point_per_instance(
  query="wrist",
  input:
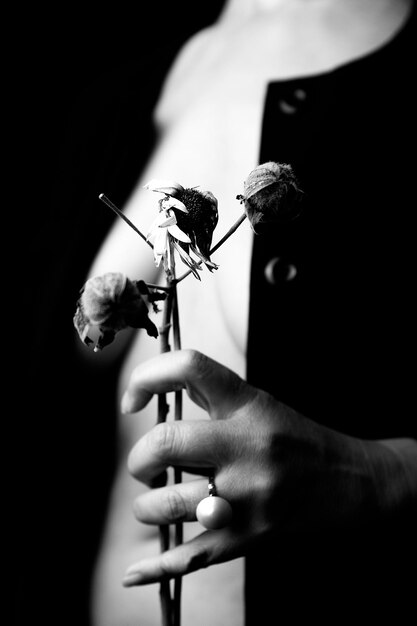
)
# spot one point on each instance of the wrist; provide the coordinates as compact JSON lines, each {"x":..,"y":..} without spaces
{"x":393,"y":464}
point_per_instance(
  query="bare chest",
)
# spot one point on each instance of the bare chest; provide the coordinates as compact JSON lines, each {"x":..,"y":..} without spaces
{"x":210,"y":115}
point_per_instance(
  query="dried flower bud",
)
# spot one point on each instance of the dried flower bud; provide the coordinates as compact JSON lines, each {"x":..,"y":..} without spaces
{"x":110,"y":303}
{"x":271,"y":193}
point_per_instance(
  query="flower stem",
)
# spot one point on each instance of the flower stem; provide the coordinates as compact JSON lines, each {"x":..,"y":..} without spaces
{"x":118,"y":212}
{"x":163,"y":409}
{"x":177,"y":472}
{"x":160,"y":287}
{"x":230,"y":232}
{"x":171,"y":609}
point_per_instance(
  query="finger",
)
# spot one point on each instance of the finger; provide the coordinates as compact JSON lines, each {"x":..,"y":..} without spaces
{"x":207,"y":382}
{"x":179,"y":443}
{"x":206,"y":549}
{"x":168,"y":505}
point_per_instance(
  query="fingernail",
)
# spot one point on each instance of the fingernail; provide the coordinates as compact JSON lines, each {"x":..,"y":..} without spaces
{"x":126,"y":403}
{"x":131,"y":580}
{"x":132,"y":577}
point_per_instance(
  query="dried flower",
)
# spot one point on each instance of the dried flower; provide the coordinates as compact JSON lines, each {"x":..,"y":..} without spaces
{"x":110,"y":303}
{"x":271,"y":193}
{"x":186,"y":221}
{"x":164,"y":233}
{"x":199,"y":222}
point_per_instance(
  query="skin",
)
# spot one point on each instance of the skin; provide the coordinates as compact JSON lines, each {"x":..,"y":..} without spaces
{"x":334,"y":479}
{"x":228,"y":431}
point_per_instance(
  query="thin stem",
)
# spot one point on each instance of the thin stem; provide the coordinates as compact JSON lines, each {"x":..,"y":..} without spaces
{"x":177,"y":472}
{"x":171,"y":609}
{"x":163,"y":408}
{"x":166,"y":603}
{"x":175,"y":318}
{"x":160,"y":287}
{"x":118,"y":212}
{"x":230,"y":232}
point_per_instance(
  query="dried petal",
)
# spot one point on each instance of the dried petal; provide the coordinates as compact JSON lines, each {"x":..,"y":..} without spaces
{"x":169,"y":187}
{"x":189,"y":261}
{"x":100,"y":294}
{"x":178,"y":234}
{"x":160,"y":244}
{"x":108,"y":304}
{"x":261,"y":177}
{"x":171,"y":220}
{"x":271,"y":193}
{"x":163,"y":233}
{"x":173,"y":203}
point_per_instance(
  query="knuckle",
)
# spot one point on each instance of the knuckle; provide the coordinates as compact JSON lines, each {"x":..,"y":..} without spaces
{"x":196,"y":558}
{"x":173,"y":506}
{"x":162,"y":439}
{"x":168,"y":565}
{"x":197,"y":362}
{"x":184,"y":561}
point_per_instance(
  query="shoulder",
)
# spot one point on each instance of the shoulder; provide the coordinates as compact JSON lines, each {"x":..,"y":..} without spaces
{"x":192,"y":63}
{"x":193,"y":52}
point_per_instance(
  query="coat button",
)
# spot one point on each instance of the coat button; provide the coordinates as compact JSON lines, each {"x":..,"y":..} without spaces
{"x":291,"y":104}
{"x":278,"y":271}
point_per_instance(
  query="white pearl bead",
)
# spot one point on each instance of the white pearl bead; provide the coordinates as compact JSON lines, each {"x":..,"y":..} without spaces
{"x":214,"y":512}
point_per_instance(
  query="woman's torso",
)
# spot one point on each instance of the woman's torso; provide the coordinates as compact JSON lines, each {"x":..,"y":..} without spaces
{"x":210,"y":118}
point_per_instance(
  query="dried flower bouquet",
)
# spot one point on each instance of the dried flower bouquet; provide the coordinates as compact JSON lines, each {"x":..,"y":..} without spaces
{"x":183,"y":228}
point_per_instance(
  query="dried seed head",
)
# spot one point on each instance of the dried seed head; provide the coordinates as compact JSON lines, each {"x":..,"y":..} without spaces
{"x":201,"y":211}
{"x":199,"y":222}
{"x":271,"y":193}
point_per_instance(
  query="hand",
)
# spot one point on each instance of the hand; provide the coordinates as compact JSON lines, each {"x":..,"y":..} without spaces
{"x":278,"y":469}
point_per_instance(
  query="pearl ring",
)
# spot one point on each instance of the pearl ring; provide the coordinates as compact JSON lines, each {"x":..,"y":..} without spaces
{"x":213,"y":512}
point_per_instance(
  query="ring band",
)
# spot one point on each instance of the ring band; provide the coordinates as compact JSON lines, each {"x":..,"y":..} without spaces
{"x":211,"y":487}
{"x":213,"y":512}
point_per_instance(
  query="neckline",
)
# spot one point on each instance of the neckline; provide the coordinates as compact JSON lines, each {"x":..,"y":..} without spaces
{"x":402,"y":34}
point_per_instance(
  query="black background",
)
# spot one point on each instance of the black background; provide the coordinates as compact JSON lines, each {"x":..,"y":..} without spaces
{"x":84,"y":81}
